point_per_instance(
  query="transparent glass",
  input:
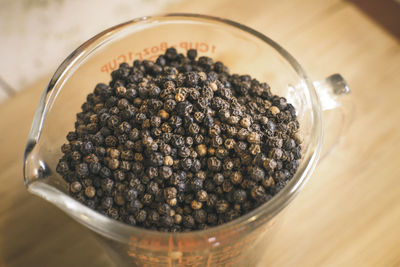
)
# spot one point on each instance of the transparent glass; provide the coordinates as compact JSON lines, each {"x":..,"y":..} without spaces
{"x":246,"y":51}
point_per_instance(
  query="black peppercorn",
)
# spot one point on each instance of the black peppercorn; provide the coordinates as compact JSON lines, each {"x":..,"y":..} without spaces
{"x":212,"y":218}
{"x":192,"y":54}
{"x":90,"y":191}
{"x":218,"y":178}
{"x":170,"y":192}
{"x":256,"y":173}
{"x":196,"y":184}
{"x":76,"y":187}
{"x":180,"y":132}
{"x":239,"y":196}
{"x":62,"y":167}
{"x":214,"y":164}
{"x":188,"y":221}
{"x":82,"y":170}
{"x":221,"y":206}
{"x":183,"y":152}
{"x":200,"y":216}
{"x":141,"y":216}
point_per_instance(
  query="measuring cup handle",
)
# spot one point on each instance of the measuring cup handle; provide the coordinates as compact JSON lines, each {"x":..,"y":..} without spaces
{"x":338,"y":110}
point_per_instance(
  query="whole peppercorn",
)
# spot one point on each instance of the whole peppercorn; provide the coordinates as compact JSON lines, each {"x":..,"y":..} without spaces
{"x":200,"y":216}
{"x":119,"y":175}
{"x":196,"y":184}
{"x":107,"y":203}
{"x":165,"y":172}
{"x":218,"y":178}
{"x":214,"y":164}
{"x":194,"y":128}
{"x":91,"y":158}
{"x":107,"y":184}
{"x":233,"y":120}
{"x":227,"y":186}
{"x":72,"y":136}
{"x":179,"y":97}
{"x":275,"y":153}
{"x":212,"y":218}
{"x":202,"y":195}
{"x":90,"y":191}
{"x":236,"y":177}
{"x":243,"y":134}
{"x":153,"y":216}
{"x":269,"y":164}
{"x":147,"y":199}
{"x":156,"y":159}
{"x":221,"y":206}
{"x":253,"y":138}
{"x":170,"y":192}
{"x":62,"y":167}
{"x":134,"y":134}
{"x":268,"y":182}
{"x":274,"y":110}
{"x":141,"y":216}
{"x":113,"y":153}
{"x":239,"y":196}
{"x":111,"y":141}
{"x":216,"y":141}
{"x":254,"y":149}
{"x":168,"y":161}
{"x":134,"y":206}
{"x":164,"y":209}
{"x":221,"y":153}
{"x":76,"y":187}
{"x":256,"y":173}
{"x":131,"y":194}
{"x":199,"y":116}
{"x":196,"y":204}
{"x":163,"y":114}
{"x":113,"y":164}
{"x":152,"y":172}
{"x":82,"y":170}
{"x":201,"y":150}
{"x":125,"y":165}
{"x":178,"y":218}
{"x":188,"y":221}
{"x":192,"y":54}
{"x":119,"y":200}
{"x":66,"y":148}
{"x":245,"y":122}
{"x":229,"y":143}
{"x":184,"y":152}
{"x":167,"y":221}
{"x":227,"y":165}
{"x":186,"y":164}
{"x":172,"y":202}
{"x":212,"y":200}
{"x":195,"y":165}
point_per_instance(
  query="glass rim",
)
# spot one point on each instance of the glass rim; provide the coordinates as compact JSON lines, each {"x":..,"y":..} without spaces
{"x":122,"y":231}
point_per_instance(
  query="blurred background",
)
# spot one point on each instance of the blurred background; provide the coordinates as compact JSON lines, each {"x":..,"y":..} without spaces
{"x":36,"y":35}
{"x":349,"y":212}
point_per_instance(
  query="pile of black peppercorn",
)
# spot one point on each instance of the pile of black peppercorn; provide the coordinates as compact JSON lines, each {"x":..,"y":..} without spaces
{"x":180,"y":144}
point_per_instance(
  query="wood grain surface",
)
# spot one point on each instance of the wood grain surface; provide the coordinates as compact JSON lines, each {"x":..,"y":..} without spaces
{"x":349,"y":212}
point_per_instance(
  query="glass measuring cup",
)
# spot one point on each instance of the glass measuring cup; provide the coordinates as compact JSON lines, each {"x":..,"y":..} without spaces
{"x":246,"y":51}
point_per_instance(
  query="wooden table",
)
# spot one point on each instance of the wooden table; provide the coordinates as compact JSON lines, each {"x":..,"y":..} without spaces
{"x":349,"y":212}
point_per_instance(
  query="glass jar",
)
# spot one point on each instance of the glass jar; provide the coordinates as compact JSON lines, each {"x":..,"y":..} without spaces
{"x":240,"y":242}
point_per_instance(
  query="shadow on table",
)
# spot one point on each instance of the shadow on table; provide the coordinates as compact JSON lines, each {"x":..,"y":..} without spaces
{"x":384,"y":12}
